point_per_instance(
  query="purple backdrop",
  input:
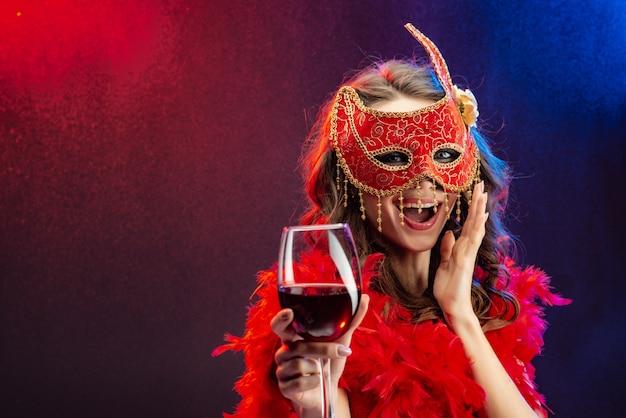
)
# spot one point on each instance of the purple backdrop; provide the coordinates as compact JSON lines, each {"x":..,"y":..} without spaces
{"x":148,"y":163}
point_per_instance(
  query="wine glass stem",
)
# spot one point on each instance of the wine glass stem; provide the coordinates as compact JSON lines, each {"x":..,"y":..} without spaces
{"x":327,"y":393}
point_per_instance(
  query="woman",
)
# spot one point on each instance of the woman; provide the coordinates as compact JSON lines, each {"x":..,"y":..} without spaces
{"x":449,"y":323}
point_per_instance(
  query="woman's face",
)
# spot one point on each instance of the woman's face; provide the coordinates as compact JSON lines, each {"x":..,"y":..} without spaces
{"x":410,"y":228}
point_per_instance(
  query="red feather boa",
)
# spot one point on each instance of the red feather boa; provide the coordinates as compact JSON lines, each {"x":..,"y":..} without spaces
{"x":398,"y":369}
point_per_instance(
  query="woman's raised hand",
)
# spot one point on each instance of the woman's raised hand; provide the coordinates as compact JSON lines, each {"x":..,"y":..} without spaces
{"x":297,"y":360}
{"x":453,"y":280}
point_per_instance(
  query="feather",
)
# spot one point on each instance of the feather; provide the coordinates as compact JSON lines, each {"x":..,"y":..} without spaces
{"x":399,"y":369}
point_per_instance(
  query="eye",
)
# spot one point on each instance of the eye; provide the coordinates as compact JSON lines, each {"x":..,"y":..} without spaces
{"x":446,"y":155}
{"x":393,"y":158}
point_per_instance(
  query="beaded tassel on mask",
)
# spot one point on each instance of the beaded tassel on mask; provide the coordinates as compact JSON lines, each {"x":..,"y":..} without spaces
{"x":345,"y":187}
{"x":379,"y":219}
{"x":401,"y":198}
{"x":362,"y":206}
{"x":419,"y":199}
{"x":475,"y":182}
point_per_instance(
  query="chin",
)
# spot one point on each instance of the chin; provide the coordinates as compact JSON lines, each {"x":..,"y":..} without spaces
{"x":409,"y":240}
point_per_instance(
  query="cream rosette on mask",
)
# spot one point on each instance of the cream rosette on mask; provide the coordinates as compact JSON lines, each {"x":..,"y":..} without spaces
{"x":467,"y":104}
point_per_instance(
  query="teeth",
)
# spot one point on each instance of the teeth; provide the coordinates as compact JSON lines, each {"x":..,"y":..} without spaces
{"x":417,"y":206}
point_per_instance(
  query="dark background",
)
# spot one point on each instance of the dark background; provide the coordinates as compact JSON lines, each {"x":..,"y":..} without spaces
{"x":148,"y":161}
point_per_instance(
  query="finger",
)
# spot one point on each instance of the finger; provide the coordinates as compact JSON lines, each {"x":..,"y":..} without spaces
{"x":309,"y":349}
{"x":297,"y":367}
{"x":294,"y":387}
{"x":447,"y":244}
{"x":479,"y":217}
{"x":479,"y":201}
{"x":474,"y":227}
{"x":281,"y":325}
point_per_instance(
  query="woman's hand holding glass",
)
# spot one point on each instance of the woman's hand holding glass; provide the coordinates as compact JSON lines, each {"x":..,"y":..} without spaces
{"x":297,"y":360}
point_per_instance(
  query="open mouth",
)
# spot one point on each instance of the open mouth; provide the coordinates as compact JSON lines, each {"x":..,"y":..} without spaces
{"x":419,"y":213}
{"x":414,"y":212}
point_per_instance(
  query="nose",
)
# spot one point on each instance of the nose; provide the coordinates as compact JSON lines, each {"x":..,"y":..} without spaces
{"x":424,"y":191}
{"x":426,"y":185}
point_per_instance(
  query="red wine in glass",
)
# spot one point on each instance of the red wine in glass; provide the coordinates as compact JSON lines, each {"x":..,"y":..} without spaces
{"x":322,"y":312}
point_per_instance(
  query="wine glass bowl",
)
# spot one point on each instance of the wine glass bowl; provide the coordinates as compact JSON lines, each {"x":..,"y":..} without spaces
{"x":319,"y":278}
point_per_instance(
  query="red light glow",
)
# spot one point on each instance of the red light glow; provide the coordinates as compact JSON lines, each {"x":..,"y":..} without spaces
{"x":45,"y":40}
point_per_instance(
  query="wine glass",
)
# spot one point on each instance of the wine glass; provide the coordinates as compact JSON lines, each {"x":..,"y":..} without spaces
{"x":319,"y":278}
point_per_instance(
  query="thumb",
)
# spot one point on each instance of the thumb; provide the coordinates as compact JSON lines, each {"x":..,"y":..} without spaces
{"x":281,"y":325}
{"x":447,"y":243}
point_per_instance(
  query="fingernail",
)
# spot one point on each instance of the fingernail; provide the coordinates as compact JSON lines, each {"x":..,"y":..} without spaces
{"x":284,"y":316}
{"x":344,"y":351}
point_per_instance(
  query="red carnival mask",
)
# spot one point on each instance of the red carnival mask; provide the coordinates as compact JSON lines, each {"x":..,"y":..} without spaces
{"x":360,"y":134}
